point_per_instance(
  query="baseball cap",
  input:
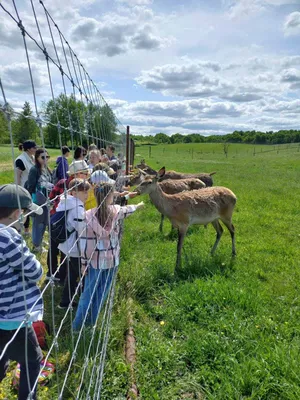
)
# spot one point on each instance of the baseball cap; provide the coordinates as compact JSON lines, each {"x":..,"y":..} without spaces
{"x":9,"y":198}
{"x":28,"y":144}
{"x":77,"y":167}
{"x":99,"y":177}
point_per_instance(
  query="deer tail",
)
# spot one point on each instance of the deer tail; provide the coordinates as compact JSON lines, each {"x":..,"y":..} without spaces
{"x":212,"y":173}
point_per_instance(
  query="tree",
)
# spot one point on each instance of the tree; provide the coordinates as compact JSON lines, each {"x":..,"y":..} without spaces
{"x":162,"y":138}
{"x":4,"y":134}
{"x":71,"y":115}
{"x":25,"y":127}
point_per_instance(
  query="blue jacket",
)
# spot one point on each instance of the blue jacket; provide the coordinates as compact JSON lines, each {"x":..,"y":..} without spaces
{"x":15,"y":295}
{"x":62,"y":168}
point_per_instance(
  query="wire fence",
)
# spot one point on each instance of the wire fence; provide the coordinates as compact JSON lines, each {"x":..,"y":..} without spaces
{"x":78,"y":355}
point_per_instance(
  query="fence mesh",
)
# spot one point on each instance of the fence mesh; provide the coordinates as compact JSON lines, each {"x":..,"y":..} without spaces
{"x":68,"y":109}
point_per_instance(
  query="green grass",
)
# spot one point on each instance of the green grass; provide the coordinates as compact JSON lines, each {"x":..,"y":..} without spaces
{"x":222,"y":329}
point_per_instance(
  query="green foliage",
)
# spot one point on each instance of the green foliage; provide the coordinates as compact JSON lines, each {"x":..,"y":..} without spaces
{"x":280,"y":137}
{"x":25,"y":128}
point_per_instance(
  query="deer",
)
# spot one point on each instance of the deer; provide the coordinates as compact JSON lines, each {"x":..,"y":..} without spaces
{"x":173,"y":186}
{"x":195,"y":207}
{"x":143,"y":168}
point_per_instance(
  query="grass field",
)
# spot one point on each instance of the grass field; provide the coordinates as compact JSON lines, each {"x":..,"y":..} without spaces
{"x":223,"y":328}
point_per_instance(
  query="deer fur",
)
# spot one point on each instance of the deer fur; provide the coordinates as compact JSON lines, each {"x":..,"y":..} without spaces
{"x":173,"y":186}
{"x":195,"y":207}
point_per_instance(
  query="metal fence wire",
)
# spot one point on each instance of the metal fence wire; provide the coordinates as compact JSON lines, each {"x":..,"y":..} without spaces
{"x":84,"y":119}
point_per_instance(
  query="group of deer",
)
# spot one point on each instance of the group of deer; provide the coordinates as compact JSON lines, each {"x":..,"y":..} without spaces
{"x":188,"y":199}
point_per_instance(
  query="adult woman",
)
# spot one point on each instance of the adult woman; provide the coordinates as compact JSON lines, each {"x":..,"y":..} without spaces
{"x":23,"y":164}
{"x":39,"y":185}
{"x":79,"y":153}
{"x":94,"y":158}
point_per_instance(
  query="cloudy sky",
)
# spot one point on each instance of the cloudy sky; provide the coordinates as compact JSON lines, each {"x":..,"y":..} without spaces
{"x":205,"y":66}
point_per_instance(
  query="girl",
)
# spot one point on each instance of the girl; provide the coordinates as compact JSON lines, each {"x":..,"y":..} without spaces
{"x":23,"y":164}
{"x":100,"y":251}
{"x":39,"y":185}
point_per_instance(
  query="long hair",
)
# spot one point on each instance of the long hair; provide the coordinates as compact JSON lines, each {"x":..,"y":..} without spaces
{"x":36,"y":156}
{"x":79,"y":151}
{"x":102,"y":195}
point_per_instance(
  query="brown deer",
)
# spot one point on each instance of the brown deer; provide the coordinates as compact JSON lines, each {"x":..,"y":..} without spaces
{"x":173,"y":186}
{"x":143,"y":168}
{"x":196,"y":207}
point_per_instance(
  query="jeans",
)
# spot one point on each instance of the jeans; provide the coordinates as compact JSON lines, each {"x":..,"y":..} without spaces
{"x":16,"y":352}
{"x":52,"y":264}
{"x":38,"y":230}
{"x":91,"y":303}
{"x":71,"y":281}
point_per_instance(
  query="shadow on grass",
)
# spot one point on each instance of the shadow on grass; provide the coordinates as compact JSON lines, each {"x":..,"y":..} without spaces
{"x":195,"y":267}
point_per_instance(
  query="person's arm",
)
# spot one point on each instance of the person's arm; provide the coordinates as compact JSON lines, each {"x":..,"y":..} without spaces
{"x":126,"y":211}
{"x":32,"y":182}
{"x":20,"y":167}
{"x":20,"y":259}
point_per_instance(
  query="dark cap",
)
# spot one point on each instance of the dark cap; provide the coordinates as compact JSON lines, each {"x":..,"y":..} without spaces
{"x":29,"y":144}
{"x":9,"y":198}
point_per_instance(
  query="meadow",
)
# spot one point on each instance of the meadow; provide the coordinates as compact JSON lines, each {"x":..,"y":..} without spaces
{"x":221,"y":328}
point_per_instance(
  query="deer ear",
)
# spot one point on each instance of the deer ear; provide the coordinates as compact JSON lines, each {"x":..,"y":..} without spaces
{"x":161,"y":172}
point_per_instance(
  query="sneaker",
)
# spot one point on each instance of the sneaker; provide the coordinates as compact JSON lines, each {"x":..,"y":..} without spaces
{"x":55,"y":278}
{"x":39,"y":249}
{"x":62,"y":306}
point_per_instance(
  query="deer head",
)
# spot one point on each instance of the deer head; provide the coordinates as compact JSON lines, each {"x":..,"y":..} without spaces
{"x":150,"y":182}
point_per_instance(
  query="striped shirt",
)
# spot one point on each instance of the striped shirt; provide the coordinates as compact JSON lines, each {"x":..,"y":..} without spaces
{"x":18,"y":297}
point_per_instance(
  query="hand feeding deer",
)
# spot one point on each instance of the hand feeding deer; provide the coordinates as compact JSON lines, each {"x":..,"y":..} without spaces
{"x":196,"y":207}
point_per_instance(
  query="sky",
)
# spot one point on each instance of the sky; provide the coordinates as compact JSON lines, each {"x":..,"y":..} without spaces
{"x":187,"y":66}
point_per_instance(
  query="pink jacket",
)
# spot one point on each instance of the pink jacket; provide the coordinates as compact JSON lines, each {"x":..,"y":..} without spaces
{"x":100,"y":247}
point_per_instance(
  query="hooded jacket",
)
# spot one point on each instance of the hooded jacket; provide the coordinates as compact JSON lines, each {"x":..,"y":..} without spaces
{"x":18,"y":298}
{"x":75,"y":224}
{"x":100,"y":247}
{"x":62,"y":168}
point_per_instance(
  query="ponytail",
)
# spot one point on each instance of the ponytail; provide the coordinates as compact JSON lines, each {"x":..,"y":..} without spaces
{"x":20,"y":147}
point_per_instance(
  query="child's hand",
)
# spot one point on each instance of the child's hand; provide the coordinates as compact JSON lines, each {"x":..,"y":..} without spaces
{"x":141,"y":204}
{"x":132,"y":195}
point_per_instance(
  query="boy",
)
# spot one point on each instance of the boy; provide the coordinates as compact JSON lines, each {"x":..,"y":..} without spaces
{"x":78,"y":169}
{"x":74,"y":204}
{"x":62,"y":164}
{"x":20,"y":298}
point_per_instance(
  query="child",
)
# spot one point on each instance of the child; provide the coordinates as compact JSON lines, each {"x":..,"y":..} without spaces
{"x":19,"y":272}
{"x":100,"y":250}
{"x":62,"y":164}
{"x":73,"y":204}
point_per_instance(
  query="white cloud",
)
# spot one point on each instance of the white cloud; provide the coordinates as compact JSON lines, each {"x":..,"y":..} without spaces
{"x":135,"y":2}
{"x":292,"y":24}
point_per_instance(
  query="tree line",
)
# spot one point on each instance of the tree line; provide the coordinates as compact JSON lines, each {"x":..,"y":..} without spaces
{"x":79,"y":124}
{"x":255,"y":137}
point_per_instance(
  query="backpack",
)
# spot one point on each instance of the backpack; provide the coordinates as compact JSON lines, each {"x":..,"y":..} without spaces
{"x":41,"y":330}
{"x":59,"y":231}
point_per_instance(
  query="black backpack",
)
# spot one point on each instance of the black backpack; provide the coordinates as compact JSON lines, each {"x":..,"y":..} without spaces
{"x":59,"y":232}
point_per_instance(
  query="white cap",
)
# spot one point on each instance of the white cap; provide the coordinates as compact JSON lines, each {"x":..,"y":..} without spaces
{"x":99,"y":177}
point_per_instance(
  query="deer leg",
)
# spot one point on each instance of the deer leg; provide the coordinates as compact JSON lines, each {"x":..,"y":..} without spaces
{"x":161,"y":223}
{"x":216,"y":224}
{"x":230,"y":227}
{"x":181,"y":236}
